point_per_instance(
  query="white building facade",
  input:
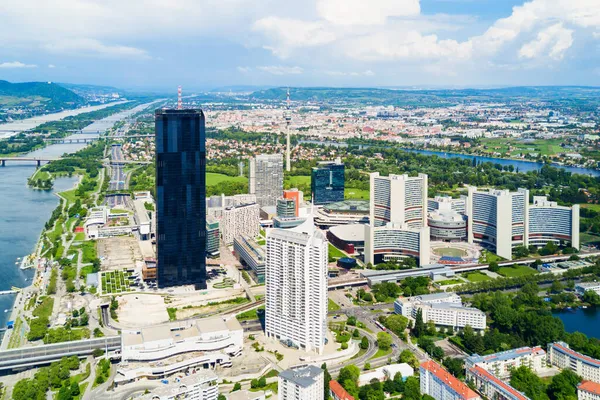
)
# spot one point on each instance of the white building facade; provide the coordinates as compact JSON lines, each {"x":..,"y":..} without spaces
{"x":304,"y":383}
{"x":441,"y":385}
{"x":199,"y":386}
{"x":561,"y":356}
{"x":549,"y":222}
{"x":588,"y":390}
{"x":296,"y":286}
{"x":500,"y":364}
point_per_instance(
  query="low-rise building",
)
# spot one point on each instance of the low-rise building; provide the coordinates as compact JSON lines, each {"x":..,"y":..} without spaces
{"x":442,"y":385}
{"x":303,"y":383}
{"x":583,"y":287}
{"x":492,"y":387}
{"x":404,"y":305}
{"x":342,"y":213}
{"x":561,"y":356}
{"x":199,"y":386}
{"x":588,"y":390}
{"x":500,"y":364}
{"x":386,"y":373}
{"x":337,"y":392}
{"x":251,"y":254}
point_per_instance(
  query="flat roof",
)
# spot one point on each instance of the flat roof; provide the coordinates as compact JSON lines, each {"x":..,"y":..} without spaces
{"x":359,"y":206}
{"x":304,"y":376}
{"x":506,"y":355}
{"x":349,"y":233}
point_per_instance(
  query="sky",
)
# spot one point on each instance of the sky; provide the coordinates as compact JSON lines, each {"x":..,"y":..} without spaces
{"x":205,"y":44}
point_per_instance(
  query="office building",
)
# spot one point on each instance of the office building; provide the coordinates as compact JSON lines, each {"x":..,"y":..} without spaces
{"x":588,"y":390}
{"x":442,"y":385}
{"x":303,"y":383}
{"x":492,"y":387}
{"x":404,"y":305}
{"x":296,"y":286}
{"x":181,"y":197}
{"x":350,"y":238}
{"x":549,"y":222}
{"x":497,"y":219}
{"x":447,"y":203}
{"x":501,"y":364}
{"x":398,"y":219}
{"x":395,"y":241}
{"x":213,"y":237}
{"x":327,"y":182}
{"x":297,"y":196}
{"x":400,"y":199}
{"x":583,"y":287}
{"x":250,"y":254}
{"x":342,"y":213}
{"x":286,"y":208}
{"x":266,"y":178}
{"x":561,"y":356}
{"x":447,"y":226}
{"x":444,"y":309}
{"x":203,"y":385}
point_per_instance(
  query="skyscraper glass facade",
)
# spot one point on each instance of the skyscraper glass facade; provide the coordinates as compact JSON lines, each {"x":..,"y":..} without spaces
{"x":181,"y":197}
{"x":327,"y":182}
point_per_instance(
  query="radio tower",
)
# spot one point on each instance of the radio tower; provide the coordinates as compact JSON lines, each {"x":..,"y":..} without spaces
{"x":179,"y":101}
{"x":288,"y":119}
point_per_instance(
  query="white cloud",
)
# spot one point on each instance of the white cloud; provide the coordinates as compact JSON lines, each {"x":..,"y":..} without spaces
{"x":353,"y":73}
{"x":281,"y":70}
{"x":287,"y":34}
{"x":244,"y":70}
{"x":554,"y":41}
{"x":16,"y":64}
{"x":51,"y":66}
{"x":93,"y":47}
{"x":361,"y":12}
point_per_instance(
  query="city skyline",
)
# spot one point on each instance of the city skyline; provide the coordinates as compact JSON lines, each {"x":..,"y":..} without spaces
{"x":310,"y":43}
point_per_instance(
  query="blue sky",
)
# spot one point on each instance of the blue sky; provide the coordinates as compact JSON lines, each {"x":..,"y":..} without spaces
{"x":202,"y":44}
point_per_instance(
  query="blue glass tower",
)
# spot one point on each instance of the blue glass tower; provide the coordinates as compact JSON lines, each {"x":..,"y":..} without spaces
{"x":181,"y":197}
{"x":327,"y":182}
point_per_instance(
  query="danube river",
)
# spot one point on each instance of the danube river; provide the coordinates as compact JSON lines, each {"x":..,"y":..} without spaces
{"x":522,"y":166}
{"x":582,"y":320}
{"x":24,"y":211}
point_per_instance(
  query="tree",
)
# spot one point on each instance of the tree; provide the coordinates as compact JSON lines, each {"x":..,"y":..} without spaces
{"x":327,"y":379}
{"x":351,"y":320}
{"x":237,"y":386}
{"x":494,"y":266}
{"x":419,"y":328}
{"x":75,"y":389}
{"x":384,"y":340}
{"x":355,"y":334}
{"x":455,"y":366}
{"x":406,"y":356}
{"x":591,"y":297}
{"x":564,"y":385}
{"x":364,"y":343}
{"x":367,"y":366}
{"x":395,"y":323}
{"x":349,"y":373}
{"x":524,"y":380}
{"x":412,"y":389}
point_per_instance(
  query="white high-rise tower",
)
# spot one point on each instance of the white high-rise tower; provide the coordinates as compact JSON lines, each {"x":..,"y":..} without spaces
{"x":288,"y":119}
{"x":296,"y":286}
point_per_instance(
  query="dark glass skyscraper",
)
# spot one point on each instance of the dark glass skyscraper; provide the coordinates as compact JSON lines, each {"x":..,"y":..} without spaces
{"x":181,"y":197}
{"x":327,"y":182}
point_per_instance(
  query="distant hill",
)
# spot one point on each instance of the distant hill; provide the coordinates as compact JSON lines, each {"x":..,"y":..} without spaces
{"x":433,"y":97}
{"x":52,"y":92}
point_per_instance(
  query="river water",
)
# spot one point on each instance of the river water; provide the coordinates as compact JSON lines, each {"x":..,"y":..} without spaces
{"x":523,"y":166}
{"x":582,"y":320}
{"x":24,"y":211}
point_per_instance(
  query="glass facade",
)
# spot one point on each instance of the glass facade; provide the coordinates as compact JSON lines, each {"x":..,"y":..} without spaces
{"x":181,"y":197}
{"x":327,"y":183}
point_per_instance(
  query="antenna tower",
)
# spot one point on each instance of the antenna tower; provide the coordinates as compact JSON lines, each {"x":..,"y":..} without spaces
{"x":179,"y":101}
{"x":288,"y":119}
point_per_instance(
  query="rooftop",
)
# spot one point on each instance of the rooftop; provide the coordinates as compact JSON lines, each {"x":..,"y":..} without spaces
{"x":590,"y":387}
{"x":358,"y":206}
{"x":304,"y":376}
{"x":506,"y":388}
{"x":565,"y":349}
{"x":450,"y":380}
{"x":349,"y":233}
{"x":339,"y":391}
{"x":506,"y":355}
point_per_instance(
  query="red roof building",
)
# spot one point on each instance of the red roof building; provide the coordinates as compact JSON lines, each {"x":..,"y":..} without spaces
{"x":588,"y":390}
{"x":338,"y":392}
{"x":440,"y":384}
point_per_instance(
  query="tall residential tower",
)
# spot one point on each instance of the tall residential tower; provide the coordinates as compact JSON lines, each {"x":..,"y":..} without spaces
{"x":296,"y":286}
{"x":181,"y":197}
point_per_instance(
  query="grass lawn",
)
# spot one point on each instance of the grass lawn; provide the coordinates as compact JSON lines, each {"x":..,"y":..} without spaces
{"x":517,"y":270}
{"x":297,"y":180}
{"x":449,"y":282}
{"x":213,"y":178}
{"x":589,"y":239}
{"x":594,"y":207}
{"x":332,"y":306}
{"x":89,"y":251}
{"x":487,"y":257}
{"x":80,"y":236}
{"x":118,"y":211}
{"x":69,"y":195}
{"x":381,"y":353}
{"x":250,"y":314}
{"x":477,"y":276}
{"x":351,"y":193}
{"x":334,"y":252}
